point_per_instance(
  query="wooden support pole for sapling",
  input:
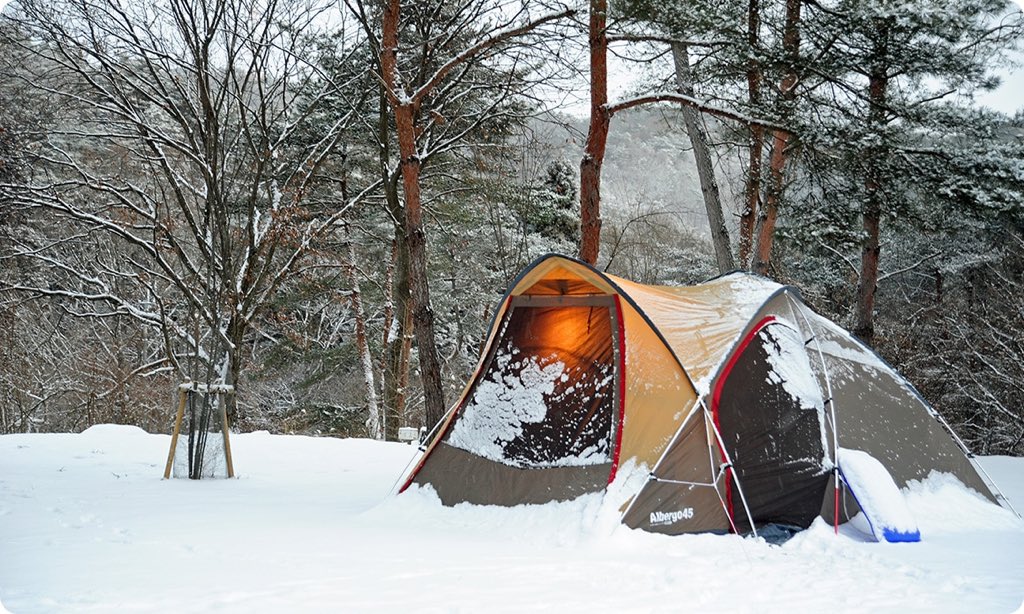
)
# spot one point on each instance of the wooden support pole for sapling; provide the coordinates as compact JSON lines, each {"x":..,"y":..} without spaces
{"x":186,"y":389}
{"x":227,"y":440}
{"x":182,"y":399}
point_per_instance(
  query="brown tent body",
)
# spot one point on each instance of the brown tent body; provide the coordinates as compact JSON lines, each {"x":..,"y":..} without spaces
{"x":723,"y":394}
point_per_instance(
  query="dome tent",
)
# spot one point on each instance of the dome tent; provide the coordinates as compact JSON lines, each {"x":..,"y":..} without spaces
{"x":732,"y":395}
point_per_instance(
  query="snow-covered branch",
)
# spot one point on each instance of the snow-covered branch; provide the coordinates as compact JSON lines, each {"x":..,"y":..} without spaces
{"x":491,"y":41}
{"x":701,"y":105}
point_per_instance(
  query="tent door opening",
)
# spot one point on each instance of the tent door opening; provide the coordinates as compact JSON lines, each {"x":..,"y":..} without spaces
{"x":769,"y":410}
{"x":548,"y":394}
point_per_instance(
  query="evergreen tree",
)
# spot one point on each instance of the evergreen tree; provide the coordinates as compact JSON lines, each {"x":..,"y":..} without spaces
{"x":890,"y":77}
{"x":553,"y":211}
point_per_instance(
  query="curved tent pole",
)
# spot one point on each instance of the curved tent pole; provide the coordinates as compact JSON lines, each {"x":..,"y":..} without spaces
{"x":651,"y":476}
{"x":836,"y":476}
{"x":728,"y":460}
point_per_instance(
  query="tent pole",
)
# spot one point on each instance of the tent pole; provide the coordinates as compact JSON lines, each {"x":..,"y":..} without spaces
{"x":835,"y":503}
{"x":831,"y":406}
{"x":717,"y":475}
{"x":651,"y":474}
{"x":971,"y":459}
{"x":725,"y":507}
{"x":712,"y":462}
{"x":421,"y":448}
{"x":728,"y":460}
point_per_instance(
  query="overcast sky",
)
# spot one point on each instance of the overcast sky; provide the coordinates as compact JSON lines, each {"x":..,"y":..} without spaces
{"x":1008,"y":98}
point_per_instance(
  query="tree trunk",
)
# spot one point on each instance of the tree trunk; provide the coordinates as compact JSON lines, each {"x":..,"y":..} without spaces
{"x":397,"y":340}
{"x":864,"y":325}
{"x":769,"y":213}
{"x":765,"y":230}
{"x":373,"y":426}
{"x":423,"y":315}
{"x":752,"y":195}
{"x":231,"y":374}
{"x":8,"y":334}
{"x":597,"y":136}
{"x":705,"y":167}
{"x":406,"y":107}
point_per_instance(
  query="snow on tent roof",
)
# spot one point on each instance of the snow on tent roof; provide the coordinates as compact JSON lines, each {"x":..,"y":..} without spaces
{"x":701,"y":323}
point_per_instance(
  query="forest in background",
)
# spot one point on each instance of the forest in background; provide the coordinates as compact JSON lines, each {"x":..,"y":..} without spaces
{"x":320,"y":204}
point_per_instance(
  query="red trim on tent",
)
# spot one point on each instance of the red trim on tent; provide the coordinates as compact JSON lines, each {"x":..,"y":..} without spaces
{"x":718,"y":394}
{"x":622,"y":389}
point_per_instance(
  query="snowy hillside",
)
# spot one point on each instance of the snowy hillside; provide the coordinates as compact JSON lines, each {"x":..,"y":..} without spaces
{"x":86,"y":524}
{"x":649,"y":165}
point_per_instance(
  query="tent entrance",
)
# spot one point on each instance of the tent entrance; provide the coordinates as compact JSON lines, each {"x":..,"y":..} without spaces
{"x":770,"y":413}
{"x":548,"y":393}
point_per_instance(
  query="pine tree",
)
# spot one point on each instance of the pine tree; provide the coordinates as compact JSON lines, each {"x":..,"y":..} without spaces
{"x":889,"y":71}
{"x":553,"y":210}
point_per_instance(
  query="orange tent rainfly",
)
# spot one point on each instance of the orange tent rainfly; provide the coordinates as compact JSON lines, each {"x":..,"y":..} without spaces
{"x":731,"y":397}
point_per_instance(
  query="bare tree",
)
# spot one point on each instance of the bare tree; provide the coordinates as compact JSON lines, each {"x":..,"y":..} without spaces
{"x":373,"y":422}
{"x":189,"y":151}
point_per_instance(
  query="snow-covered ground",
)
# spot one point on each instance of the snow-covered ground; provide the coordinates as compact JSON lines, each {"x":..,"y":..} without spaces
{"x":87,"y":525}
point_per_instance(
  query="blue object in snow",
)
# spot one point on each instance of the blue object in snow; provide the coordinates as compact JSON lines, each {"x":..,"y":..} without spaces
{"x":878,"y":496}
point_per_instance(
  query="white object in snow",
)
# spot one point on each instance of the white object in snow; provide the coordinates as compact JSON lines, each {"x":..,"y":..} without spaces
{"x":408,"y":434}
{"x":878,"y":496}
